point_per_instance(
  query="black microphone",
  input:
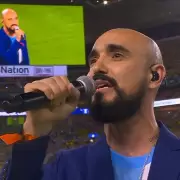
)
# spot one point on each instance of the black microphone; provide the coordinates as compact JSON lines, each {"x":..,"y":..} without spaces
{"x":36,"y":100}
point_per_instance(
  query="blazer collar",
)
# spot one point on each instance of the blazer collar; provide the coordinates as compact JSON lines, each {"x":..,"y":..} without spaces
{"x":99,"y":161}
{"x":165,"y":155}
{"x":166,"y":159}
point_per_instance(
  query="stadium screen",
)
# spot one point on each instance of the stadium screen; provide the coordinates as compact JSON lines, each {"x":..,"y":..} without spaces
{"x":40,"y":40}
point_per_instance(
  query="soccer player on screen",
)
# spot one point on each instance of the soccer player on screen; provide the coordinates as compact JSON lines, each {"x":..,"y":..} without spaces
{"x":13,"y":46}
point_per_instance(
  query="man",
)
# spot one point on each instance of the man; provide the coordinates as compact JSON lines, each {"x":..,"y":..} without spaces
{"x":13,"y":46}
{"x":128,"y":69}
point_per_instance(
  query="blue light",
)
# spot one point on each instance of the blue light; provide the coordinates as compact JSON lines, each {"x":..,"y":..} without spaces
{"x":79,"y":111}
{"x":93,"y":135}
{"x":86,"y":111}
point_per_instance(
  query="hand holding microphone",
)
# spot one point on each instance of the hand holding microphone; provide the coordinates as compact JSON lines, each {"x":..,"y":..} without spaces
{"x":19,"y":33}
{"x":64,"y":98}
{"x":49,"y":100}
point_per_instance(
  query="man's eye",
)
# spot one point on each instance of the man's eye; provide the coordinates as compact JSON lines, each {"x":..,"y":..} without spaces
{"x":92,"y":61}
{"x":116,"y":55}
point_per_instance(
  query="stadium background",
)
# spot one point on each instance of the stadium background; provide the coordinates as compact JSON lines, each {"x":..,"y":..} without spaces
{"x":158,"y":19}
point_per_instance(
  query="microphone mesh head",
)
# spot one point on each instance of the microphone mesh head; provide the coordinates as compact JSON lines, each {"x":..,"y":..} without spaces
{"x":88,"y":83}
{"x":16,"y":28}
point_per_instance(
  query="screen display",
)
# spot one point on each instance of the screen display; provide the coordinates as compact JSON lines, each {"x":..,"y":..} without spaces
{"x":40,"y":40}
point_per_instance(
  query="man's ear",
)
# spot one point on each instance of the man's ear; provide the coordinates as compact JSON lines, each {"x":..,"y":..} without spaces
{"x":161,"y":71}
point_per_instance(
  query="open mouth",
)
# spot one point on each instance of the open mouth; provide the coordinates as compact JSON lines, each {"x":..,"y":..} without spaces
{"x":101,"y":84}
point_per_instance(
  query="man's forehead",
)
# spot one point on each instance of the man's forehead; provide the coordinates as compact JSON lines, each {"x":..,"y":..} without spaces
{"x":131,"y":40}
{"x":8,"y":12}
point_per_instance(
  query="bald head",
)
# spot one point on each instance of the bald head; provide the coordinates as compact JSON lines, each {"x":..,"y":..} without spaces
{"x":136,"y":42}
{"x":9,"y":19}
{"x":7,"y":12}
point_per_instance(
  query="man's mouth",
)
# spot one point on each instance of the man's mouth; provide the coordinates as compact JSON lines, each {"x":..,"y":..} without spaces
{"x":102,"y":84}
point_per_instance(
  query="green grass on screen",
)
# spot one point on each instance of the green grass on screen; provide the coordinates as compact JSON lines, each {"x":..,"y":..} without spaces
{"x":55,"y":34}
{"x":9,"y":121}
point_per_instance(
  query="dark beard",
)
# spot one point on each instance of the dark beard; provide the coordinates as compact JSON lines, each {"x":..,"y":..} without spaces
{"x":120,"y":109}
{"x":11,"y":31}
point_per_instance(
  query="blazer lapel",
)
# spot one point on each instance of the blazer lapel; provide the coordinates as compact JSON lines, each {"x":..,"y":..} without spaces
{"x":165,"y":163}
{"x":99,"y":162}
{"x":166,"y":160}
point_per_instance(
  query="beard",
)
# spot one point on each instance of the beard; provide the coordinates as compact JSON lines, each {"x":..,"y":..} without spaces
{"x":11,"y":30}
{"x":121,"y":108}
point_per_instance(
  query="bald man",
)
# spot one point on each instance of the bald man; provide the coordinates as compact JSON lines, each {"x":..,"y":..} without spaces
{"x":128,"y":69}
{"x":13,"y":46}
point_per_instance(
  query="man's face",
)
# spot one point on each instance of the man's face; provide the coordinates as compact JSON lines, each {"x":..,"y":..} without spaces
{"x":10,"y":21}
{"x":118,"y":66}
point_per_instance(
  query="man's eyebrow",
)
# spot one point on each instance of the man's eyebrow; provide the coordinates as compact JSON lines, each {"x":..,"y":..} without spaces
{"x":117,"y":47}
{"x":109,"y":48}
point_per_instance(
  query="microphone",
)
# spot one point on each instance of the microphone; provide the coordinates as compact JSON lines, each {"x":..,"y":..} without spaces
{"x":37,"y":100}
{"x":16,"y":29}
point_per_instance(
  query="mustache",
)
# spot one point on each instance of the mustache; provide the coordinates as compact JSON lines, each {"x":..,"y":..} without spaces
{"x":13,"y":25}
{"x":101,"y":76}
{"x":112,"y":81}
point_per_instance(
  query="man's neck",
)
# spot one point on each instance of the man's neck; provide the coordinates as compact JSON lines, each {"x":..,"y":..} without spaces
{"x":135,"y":137}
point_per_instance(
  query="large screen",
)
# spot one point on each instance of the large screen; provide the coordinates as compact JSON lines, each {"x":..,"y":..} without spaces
{"x":40,"y":40}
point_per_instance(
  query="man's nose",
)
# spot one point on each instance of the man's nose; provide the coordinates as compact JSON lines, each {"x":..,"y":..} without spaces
{"x":99,"y":67}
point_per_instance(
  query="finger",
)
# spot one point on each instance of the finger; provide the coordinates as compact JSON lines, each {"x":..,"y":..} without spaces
{"x":72,"y":90}
{"x":58,"y":87}
{"x":65,"y":79}
{"x":22,"y":33}
{"x":53,"y":85}
{"x":39,"y":86}
{"x":63,"y":85}
{"x":74,"y":94}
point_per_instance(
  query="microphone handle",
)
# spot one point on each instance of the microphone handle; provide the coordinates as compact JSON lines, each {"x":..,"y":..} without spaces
{"x":16,"y":29}
{"x":32,"y":100}
{"x":22,"y":38}
{"x":25,"y":102}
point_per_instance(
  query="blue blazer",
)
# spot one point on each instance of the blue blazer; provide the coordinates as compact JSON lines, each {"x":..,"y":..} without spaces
{"x":91,"y":162}
{"x":8,"y":51}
